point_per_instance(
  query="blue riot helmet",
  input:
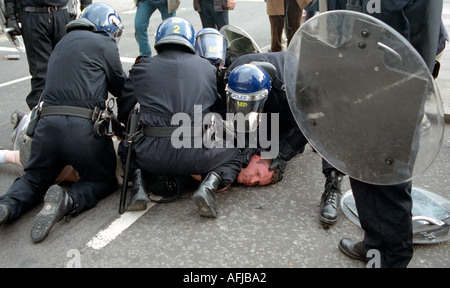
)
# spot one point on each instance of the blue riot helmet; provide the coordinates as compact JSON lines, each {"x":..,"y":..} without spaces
{"x":210,"y":44}
{"x":246,"y":92}
{"x":104,"y":18}
{"x":175,"y":30}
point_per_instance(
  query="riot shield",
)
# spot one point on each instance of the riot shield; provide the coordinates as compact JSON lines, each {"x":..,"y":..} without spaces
{"x":16,"y":41}
{"x":239,"y":42}
{"x":431,"y":215}
{"x":363,"y":97}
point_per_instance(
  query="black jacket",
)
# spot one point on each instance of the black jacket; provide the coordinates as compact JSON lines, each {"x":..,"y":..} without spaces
{"x":174,"y":81}
{"x":83,"y":68}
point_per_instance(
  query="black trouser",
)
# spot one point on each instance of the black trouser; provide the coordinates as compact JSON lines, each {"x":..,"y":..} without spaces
{"x":61,"y":141}
{"x":227,"y":170}
{"x":385,"y":215}
{"x":211,"y":18}
{"x":41,"y":32}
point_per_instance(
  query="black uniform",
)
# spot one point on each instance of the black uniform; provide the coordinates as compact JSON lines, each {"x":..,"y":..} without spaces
{"x":43,"y":25}
{"x":385,"y":211}
{"x":173,"y":82}
{"x":84,"y":66}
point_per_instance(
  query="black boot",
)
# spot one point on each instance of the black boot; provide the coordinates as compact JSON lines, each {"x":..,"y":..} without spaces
{"x":16,"y":117}
{"x":57,"y":204}
{"x":329,"y":204}
{"x":4,"y":214}
{"x":205,"y":196}
{"x":352,"y":249}
{"x":139,"y":197}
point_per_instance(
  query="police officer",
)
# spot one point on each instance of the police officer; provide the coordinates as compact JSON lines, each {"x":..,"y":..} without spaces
{"x":43,"y":25}
{"x":82,"y":69}
{"x":292,"y":140}
{"x":178,"y":82}
{"x":385,"y":211}
{"x":270,"y":65}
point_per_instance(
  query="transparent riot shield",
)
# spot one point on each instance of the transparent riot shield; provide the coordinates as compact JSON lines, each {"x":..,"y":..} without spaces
{"x":239,"y":42}
{"x":430,"y":215}
{"x":363,"y":97}
{"x":16,"y":41}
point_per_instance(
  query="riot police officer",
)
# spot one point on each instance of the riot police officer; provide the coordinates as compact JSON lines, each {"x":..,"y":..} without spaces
{"x":385,"y":210}
{"x":177,"y":82}
{"x":42,"y":26}
{"x":292,"y":140}
{"x":83,"y":68}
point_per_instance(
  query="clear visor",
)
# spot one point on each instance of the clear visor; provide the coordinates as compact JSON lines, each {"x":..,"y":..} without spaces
{"x":212,"y":47}
{"x":118,"y":33}
{"x":246,"y":109}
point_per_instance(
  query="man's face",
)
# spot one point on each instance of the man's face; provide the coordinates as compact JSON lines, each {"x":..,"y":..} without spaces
{"x":256,"y":173}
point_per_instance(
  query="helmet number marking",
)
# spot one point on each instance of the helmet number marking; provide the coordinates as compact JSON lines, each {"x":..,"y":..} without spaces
{"x":176,"y":29}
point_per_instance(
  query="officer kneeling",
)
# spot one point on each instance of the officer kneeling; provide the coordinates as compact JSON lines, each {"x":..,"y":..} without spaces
{"x":83,"y":68}
{"x":176,"y":82}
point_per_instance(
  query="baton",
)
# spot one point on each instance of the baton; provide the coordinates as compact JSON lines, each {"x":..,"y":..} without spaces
{"x":134,"y":118}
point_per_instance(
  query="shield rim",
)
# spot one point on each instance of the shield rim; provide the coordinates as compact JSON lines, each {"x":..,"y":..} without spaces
{"x":355,"y":219}
{"x":237,"y":29}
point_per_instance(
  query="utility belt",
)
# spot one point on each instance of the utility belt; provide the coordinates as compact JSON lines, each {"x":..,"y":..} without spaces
{"x":70,"y":111}
{"x":48,"y":9}
{"x":105,"y":122}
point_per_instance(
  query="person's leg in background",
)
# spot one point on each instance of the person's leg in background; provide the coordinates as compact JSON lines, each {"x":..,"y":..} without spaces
{"x":143,"y":13}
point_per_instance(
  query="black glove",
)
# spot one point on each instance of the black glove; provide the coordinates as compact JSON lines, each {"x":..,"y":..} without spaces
{"x":11,"y":19}
{"x":287,"y":152}
{"x":280,"y":164}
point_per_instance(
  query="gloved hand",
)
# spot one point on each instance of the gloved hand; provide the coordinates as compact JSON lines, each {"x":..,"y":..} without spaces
{"x":11,"y":19}
{"x":280,"y":164}
{"x":287,"y":152}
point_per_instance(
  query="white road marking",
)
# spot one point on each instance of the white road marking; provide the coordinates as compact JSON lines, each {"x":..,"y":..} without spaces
{"x":127,"y":59}
{"x":15,"y":81}
{"x":119,"y":225}
{"x":123,"y":59}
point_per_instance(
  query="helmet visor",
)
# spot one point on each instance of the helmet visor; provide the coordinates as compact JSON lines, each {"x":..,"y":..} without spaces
{"x":212,"y":47}
{"x":246,"y":109}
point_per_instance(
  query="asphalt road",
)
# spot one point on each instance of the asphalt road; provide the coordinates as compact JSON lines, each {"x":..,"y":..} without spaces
{"x":258,"y":227}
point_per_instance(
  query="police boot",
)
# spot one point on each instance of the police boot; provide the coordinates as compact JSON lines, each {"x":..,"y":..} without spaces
{"x":57,"y":204}
{"x":139,"y":197}
{"x":352,"y":249}
{"x":329,"y":204}
{"x":205,"y":196}
{"x":4,"y":214}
